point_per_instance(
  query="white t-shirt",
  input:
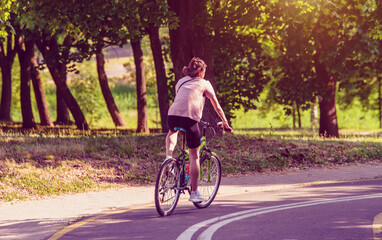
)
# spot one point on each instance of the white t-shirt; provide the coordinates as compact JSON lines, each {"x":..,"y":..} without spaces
{"x":189,"y":99}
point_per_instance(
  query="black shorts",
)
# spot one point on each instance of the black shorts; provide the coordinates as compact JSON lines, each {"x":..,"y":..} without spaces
{"x":191,"y":126}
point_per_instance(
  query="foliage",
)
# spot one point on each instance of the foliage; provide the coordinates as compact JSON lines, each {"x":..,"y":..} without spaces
{"x":87,"y":92}
{"x":149,"y":71}
{"x":255,"y":43}
{"x":366,"y":82}
{"x":104,"y":23}
{"x":240,"y":62}
{"x":332,"y":31}
{"x":5,"y":11}
{"x":112,"y":22}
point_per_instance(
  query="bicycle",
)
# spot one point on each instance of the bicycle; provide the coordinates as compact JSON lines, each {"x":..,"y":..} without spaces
{"x":172,"y":179}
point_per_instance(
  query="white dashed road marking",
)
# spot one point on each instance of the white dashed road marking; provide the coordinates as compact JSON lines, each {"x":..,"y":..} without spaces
{"x":377,"y":227}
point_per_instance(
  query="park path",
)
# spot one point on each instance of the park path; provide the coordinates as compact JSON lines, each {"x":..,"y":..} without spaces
{"x":42,"y":218}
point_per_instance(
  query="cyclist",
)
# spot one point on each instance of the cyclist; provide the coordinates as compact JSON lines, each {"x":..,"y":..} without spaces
{"x":186,"y":112}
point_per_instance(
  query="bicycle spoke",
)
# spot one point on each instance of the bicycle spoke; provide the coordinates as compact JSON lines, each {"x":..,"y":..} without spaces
{"x":166,"y":193}
{"x":210,"y":175}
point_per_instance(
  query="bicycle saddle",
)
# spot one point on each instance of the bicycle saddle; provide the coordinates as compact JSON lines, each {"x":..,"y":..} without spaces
{"x":180,"y":129}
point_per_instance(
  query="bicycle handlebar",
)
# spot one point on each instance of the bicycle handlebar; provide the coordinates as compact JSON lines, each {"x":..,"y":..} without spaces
{"x":219,"y":125}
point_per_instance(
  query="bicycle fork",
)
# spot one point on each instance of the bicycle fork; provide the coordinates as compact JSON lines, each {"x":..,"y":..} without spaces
{"x":181,"y":176}
{"x":206,"y":152}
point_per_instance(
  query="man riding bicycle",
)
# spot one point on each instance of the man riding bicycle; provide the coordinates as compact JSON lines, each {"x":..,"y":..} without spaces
{"x":186,"y":111}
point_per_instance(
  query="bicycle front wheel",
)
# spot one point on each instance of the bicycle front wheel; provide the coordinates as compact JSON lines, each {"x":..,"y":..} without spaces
{"x":166,"y":187}
{"x":209,"y":179}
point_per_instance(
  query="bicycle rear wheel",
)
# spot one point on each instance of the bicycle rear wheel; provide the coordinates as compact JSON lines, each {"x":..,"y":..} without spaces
{"x":166,"y":187}
{"x":209,"y":179}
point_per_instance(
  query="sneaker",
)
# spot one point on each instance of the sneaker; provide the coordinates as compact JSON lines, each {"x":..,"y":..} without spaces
{"x":196,"y":197}
{"x":167,"y":157}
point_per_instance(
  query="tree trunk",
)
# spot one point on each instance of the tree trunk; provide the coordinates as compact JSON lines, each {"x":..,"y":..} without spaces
{"x":294,"y":114}
{"x":161,"y":77}
{"x":25,"y":59}
{"x":111,"y":106}
{"x":191,"y":39}
{"x":58,"y":73}
{"x":42,"y":105}
{"x":55,"y":62}
{"x":328,"y":115}
{"x":57,"y":70}
{"x":326,"y":86}
{"x":141,"y":87}
{"x":314,"y":114}
{"x":63,"y":114}
{"x":327,"y":103}
{"x":6,"y":61}
{"x":298,"y":115}
{"x":70,"y":101}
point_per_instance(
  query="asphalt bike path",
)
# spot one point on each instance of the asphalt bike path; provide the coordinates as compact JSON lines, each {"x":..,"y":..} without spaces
{"x":340,"y":210}
{"x":44,"y":219}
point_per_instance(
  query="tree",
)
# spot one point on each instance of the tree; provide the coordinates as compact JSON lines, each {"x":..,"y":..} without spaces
{"x":192,"y":39}
{"x":57,"y":69}
{"x":102,"y":23}
{"x":25,"y":46}
{"x":56,"y":58}
{"x":7,"y":55}
{"x":369,"y":80}
{"x":161,"y":77}
{"x":25,"y":52}
{"x":159,"y":15}
{"x":111,"y":105}
{"x":43,"y":18}
{"x":42,"y":105}
{"x":141,"y":87}
{"x":151,"y":15}
{"x":327,"y":39}
{"x":236,"y":58}
{"x":288,"y":86}
{"x":154,"y":14}
{"x":123,"y":21}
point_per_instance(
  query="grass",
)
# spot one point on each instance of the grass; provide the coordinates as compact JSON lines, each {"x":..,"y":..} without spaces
{"x":34,"y":166}
{"x":352,"y":119}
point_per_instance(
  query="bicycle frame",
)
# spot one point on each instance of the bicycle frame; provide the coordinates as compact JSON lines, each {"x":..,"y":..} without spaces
{"x":204,"y":150}
{"x":182,"y":159}
{"x":184,"y":155}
